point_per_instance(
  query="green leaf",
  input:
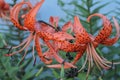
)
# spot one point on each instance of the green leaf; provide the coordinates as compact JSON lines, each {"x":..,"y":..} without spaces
{"x":61,"y":3}
{"x":100,"y":7}
{"x":28,"y":75}
{"x":39,"y":72}
{"x":117,"y":2}
{"x":55,"y":73}
{"x":95,"y":3}
{"x":89,"y":3}
{"x":62,"y":72}
{"x":82,"y":9}
{"x":82,"y":76}
{"x":100,"y":78}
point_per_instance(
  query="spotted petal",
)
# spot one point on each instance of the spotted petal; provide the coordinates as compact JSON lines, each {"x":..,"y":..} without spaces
{"x":14,"y":13}
{"x":66,"y":26}
{"x":82,"y":36}
{"x":105,"y":32}
{"x":111,"y":41}
{"x":39,"y":51}
{"x":79,"y":54}
{"x":2,"y":3}
{"x":30,"y":20}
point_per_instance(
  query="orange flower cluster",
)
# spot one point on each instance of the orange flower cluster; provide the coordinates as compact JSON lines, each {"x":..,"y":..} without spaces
{"x":4,"y":9}
{"x":58,"y":39}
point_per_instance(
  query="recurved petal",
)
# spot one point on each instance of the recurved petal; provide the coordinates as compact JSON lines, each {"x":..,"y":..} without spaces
{"x":111,"y":41}
{"x":30,"y":18}
{"x":105,"y":32}
{"x":39,"y":51}
{"x":79,"y":54}
{"x":6,"y":7}
{"x":82,"y":36}
{"x":48,"y":54}
{"x":43,"y":27}
{"x":14,"y":13}
{"x":66,"y":26}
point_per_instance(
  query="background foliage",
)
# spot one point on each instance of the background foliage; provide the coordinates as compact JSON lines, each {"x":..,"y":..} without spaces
{"x":10,"y":69}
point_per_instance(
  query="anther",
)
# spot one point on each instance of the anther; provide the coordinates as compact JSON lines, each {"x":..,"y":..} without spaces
{"x":63,"y":62}
{"x":34,"y":62}
{"x":9,"y":50}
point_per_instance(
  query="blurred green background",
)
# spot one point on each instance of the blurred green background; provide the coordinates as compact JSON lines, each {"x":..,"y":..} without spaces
{"x":10,"y":69}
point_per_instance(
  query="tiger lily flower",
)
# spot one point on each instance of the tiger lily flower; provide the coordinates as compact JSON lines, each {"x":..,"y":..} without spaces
{"x":36,"y":32}
{"x":14,"y":18}
{"x":90,"y":42}
{"x":4,"y":10}
{"x":101,"y":38}
{"x":14,"y":13}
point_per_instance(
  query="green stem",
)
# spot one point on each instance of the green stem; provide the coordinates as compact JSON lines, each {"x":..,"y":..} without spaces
{"x":38,"y":73}
{"x":89,"y":13}
{"x":62,"y":72}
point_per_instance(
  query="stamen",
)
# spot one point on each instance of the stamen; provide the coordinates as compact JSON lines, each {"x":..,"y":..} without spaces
{"x":89,"y":62}
{"x":57,"y":29}
{"x":101,"y":62}
{"x":89,"y":66}
{"x":112,"y":65}
{"x":83,"y":66}
{"x":24,"y":54}
{"x":33,"y":48}
{"x":21,"y":44}
{"x":27,"y":43}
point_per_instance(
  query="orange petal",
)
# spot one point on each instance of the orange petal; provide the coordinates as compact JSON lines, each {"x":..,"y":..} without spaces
{"x":105,"y":32}
{"x":54,"y":21}
{"x":39,"y":51}
{"x":82,"y":36}
{"x":66,"y":26}
{"x":61,"y":36}
{"x":79,"y":54}
{"x":60,"y":60}
{"x":14,"y":13}
{"x":66,"y":46}
{"x":48,"y":54}
{"x":2,"y":3}
{"x":46,"y":28}
{"x":111,"y":41}
{"x":30,"y":20}
{"x":6,"y":7}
